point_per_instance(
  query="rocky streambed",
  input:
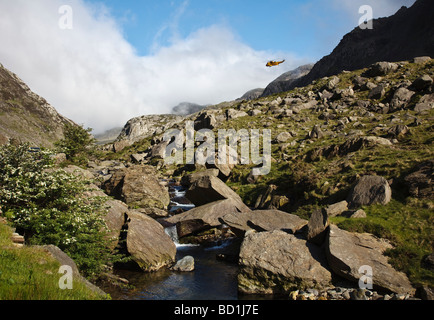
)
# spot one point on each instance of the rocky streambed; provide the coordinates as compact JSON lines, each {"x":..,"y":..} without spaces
{"x":245,"y":256}
{"x":212,"y":278}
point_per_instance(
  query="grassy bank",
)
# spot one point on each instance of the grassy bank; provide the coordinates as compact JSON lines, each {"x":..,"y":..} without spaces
{"x":29,"y":273}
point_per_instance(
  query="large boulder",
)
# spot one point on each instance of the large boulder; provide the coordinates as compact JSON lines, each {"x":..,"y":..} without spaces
{"x":400,"y":99}
{"x":208,"y":189}
{"x":138,"y":186}
{"x":370,"y":190}
{"x":263,"y":220}
{"x":276,"y":262}
{"x":205,"y":216}
{"x":348,"y":252}
{"x":188,"y":179}
{"x":381,"y":69}
{"x":150,"y":247}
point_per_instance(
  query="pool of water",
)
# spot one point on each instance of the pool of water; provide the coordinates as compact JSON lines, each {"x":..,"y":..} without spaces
{"x":212,"y":279}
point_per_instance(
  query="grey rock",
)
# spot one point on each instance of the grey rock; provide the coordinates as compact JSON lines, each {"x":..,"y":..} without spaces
{"x":381,"y":69}
{"x":254,"y":112}
{"x":138,"y":157}
{"x":150,"y":247}
{"x":401,"y":98}
{"x":283,"y":137}
{"x":138,"y":186}
{"x":205,"y":120}
{"x":234,"y":114}
{"x":422,"y":59}
{"x":252,"y":94}
{"x":118,"y":146}
{"x":278,"y":262}
{"x":369,"y":190}
{"x":337,"y":208}
{"x":358,"y":214}
{"x":208,"y":189}
{"x":347,"y":252}
{"x":186,"y":264}
{"x":317,"y":227}
{"x":206,"y":216}
{"x":316,"y":133}
{"x":189,"y":179}
{"x":358,"y":294}
{"x":263,"y":220}
{"x":145,"y":126}
{"x":377,"y":92}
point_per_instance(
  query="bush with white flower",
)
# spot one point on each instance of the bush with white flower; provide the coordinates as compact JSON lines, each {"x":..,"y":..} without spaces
{"x":45,"y":204}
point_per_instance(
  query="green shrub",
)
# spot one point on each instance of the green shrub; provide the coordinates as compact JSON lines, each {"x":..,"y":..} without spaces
{"x":45,"y":204}
{"x":77,"y":143}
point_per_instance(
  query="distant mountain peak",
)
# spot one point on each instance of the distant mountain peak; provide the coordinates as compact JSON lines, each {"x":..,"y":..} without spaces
{"x":407,"y":34}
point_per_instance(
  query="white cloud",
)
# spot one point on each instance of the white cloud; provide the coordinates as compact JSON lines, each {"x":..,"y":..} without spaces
{"x":92,"y":75}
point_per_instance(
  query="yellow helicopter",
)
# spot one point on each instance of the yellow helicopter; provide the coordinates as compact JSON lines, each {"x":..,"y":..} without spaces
{"x":273,"y":63}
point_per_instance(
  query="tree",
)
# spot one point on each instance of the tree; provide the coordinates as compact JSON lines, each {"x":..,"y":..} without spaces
{"x":46,"y":205}
{"x":77,"y":143}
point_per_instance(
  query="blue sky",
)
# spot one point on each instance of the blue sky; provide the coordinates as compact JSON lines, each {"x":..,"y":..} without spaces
{"x":126,"y":58}
{"x":308,"y":29}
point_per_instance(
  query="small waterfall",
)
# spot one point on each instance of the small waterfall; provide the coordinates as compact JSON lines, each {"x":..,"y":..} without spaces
{"x":173,"y":234}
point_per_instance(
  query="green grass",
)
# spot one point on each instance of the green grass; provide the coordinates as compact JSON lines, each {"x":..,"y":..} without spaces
{"x":409,"y":225}
{"x":29,"y":273}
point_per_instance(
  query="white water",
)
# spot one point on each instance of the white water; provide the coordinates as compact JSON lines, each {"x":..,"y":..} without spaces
{"x":173,"y":234}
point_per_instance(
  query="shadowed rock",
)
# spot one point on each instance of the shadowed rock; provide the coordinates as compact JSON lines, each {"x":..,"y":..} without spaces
{"x":347,"y":252}
{"x":278,"y":262}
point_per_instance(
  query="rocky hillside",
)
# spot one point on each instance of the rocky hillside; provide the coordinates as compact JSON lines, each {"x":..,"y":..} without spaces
{"x":252,"y":94}
{"x":25,"y":116}
{"x":350,"y":184}
{"x":145,"y":126}
{"x":283,"y":83}
{"x":408,"y":33}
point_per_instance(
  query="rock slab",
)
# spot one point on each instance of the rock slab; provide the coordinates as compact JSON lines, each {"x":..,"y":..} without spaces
{"x":278,"y":262}
{"x":150,"y":247}
{"x":348,"y":252}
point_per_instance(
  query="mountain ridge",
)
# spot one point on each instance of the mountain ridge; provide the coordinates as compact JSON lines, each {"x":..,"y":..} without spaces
{"x":388,"y":41}
{"x":26,"y":116}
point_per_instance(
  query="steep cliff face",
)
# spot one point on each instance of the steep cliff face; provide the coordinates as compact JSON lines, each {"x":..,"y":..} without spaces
{"x":407,"y":34}
{"x":25,"y":116}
